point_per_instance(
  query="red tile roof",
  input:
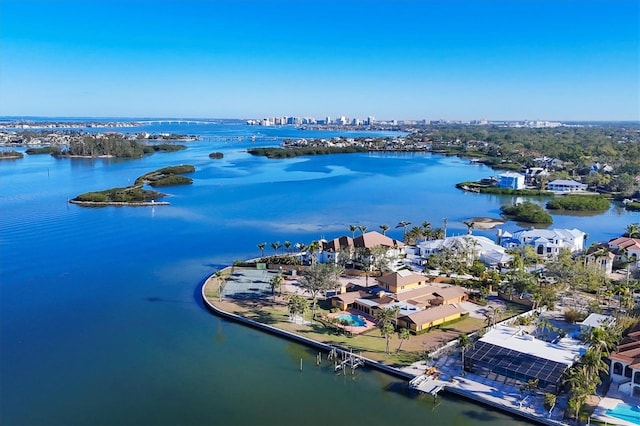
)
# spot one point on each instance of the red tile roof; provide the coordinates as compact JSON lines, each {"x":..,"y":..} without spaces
{"x":374,"y":238}
{"x":629,"y":348}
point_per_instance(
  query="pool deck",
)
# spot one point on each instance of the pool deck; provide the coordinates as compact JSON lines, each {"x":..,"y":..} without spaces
{"x":354,"y":329}
{"x":609,"y":402}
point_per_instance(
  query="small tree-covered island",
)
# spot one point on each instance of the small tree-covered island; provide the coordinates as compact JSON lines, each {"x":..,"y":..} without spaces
{"x":136,"y":195}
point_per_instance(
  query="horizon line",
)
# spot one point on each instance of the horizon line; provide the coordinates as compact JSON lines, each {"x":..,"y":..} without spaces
{"x":186,"y":118}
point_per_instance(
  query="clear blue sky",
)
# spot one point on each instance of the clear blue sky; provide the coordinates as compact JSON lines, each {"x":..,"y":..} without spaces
{"x":449,"y":59}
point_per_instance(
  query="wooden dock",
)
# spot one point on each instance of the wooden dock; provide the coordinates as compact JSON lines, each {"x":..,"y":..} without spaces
{"x":349,"y":360}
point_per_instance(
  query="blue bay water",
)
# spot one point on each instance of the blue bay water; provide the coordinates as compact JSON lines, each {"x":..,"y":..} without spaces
{"x":100,"y":316}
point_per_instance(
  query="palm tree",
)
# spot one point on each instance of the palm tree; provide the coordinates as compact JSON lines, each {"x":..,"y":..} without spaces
{"x":497,"y":311}
{"x":470,"y":224}
{"x":602,"y":339}
{"x":464,"y":342}
{"x":313,"y":248}
{"x":275,"y":246}
{"x":403,"y":335}
{"x":403,"y":224}
{"x":594,"y":365}
{"x":633,"y":230}
{"x":287,"y":245}
{"x":221,"y":283}
{"x":438,"y":233}
{"x":580,"y":387}
{"x":276,"y":283}
{"x":384,"y":229}
{"x":427,"y":232}
{"x":353,"y":229}
{"x":385,"y":318}
{"x":261,"y":246}
{"x":362,"y":228}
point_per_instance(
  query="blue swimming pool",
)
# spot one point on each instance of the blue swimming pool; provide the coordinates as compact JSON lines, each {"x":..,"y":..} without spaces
{"x":629,"y":413}
{"x":352,"y":319}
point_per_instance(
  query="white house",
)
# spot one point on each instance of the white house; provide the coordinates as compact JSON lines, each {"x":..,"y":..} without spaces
{"x":596,"y":320}
{"x":547,"y":242}
{"x":483,"y":249}
{"x":511,"y":180}
{"x":601,"y":257}
{"x":564,"y":185}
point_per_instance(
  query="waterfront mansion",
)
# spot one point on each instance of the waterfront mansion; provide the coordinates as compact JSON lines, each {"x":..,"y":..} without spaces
{"x":625,"y":364}
{"x":421,"y":303}
{"x":546,"y":242}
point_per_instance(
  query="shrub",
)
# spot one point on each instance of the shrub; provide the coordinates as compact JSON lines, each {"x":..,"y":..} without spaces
{"x":572,"y":316}
{"x":44,"y":150}
{"x":633,"y":206}
{"x":166,"y":147}
{"x":575,"y":202}
{"x":527,"y":212}
{"x":171,"y":180}
{"x":96,"y":197}
{"x":11,"y":153}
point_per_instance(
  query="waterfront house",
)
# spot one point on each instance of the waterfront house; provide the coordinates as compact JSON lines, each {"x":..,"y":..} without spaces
{"x":564,"y":185}
{"x":400,"y":281}
{"x":601,"y":257}
{"x":509,"y":355}
{"x":534,"y":175}
{"x":546,"y":242}
{"x":347,"y":246}
{"x":478,"y":247}
{"x":425,"y":319}
{"x":624,"y":368}
{"x":626,"y":250}
{"x":420,"y":308}
{"x":596,"y":320}
{"x":511,"y":180}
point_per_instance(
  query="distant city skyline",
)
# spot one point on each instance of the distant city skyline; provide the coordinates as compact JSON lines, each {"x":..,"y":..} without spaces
{"x":546,"y":60}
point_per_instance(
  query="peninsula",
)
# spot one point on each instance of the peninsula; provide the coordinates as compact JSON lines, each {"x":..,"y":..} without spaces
{"x":369,"y":301}
{"x":135,"y":195}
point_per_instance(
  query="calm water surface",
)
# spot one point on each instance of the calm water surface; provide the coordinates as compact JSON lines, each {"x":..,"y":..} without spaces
{"x":100,"y":316}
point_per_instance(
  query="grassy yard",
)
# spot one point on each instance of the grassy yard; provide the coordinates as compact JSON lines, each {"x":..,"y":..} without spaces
{"x":370,"y":344}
